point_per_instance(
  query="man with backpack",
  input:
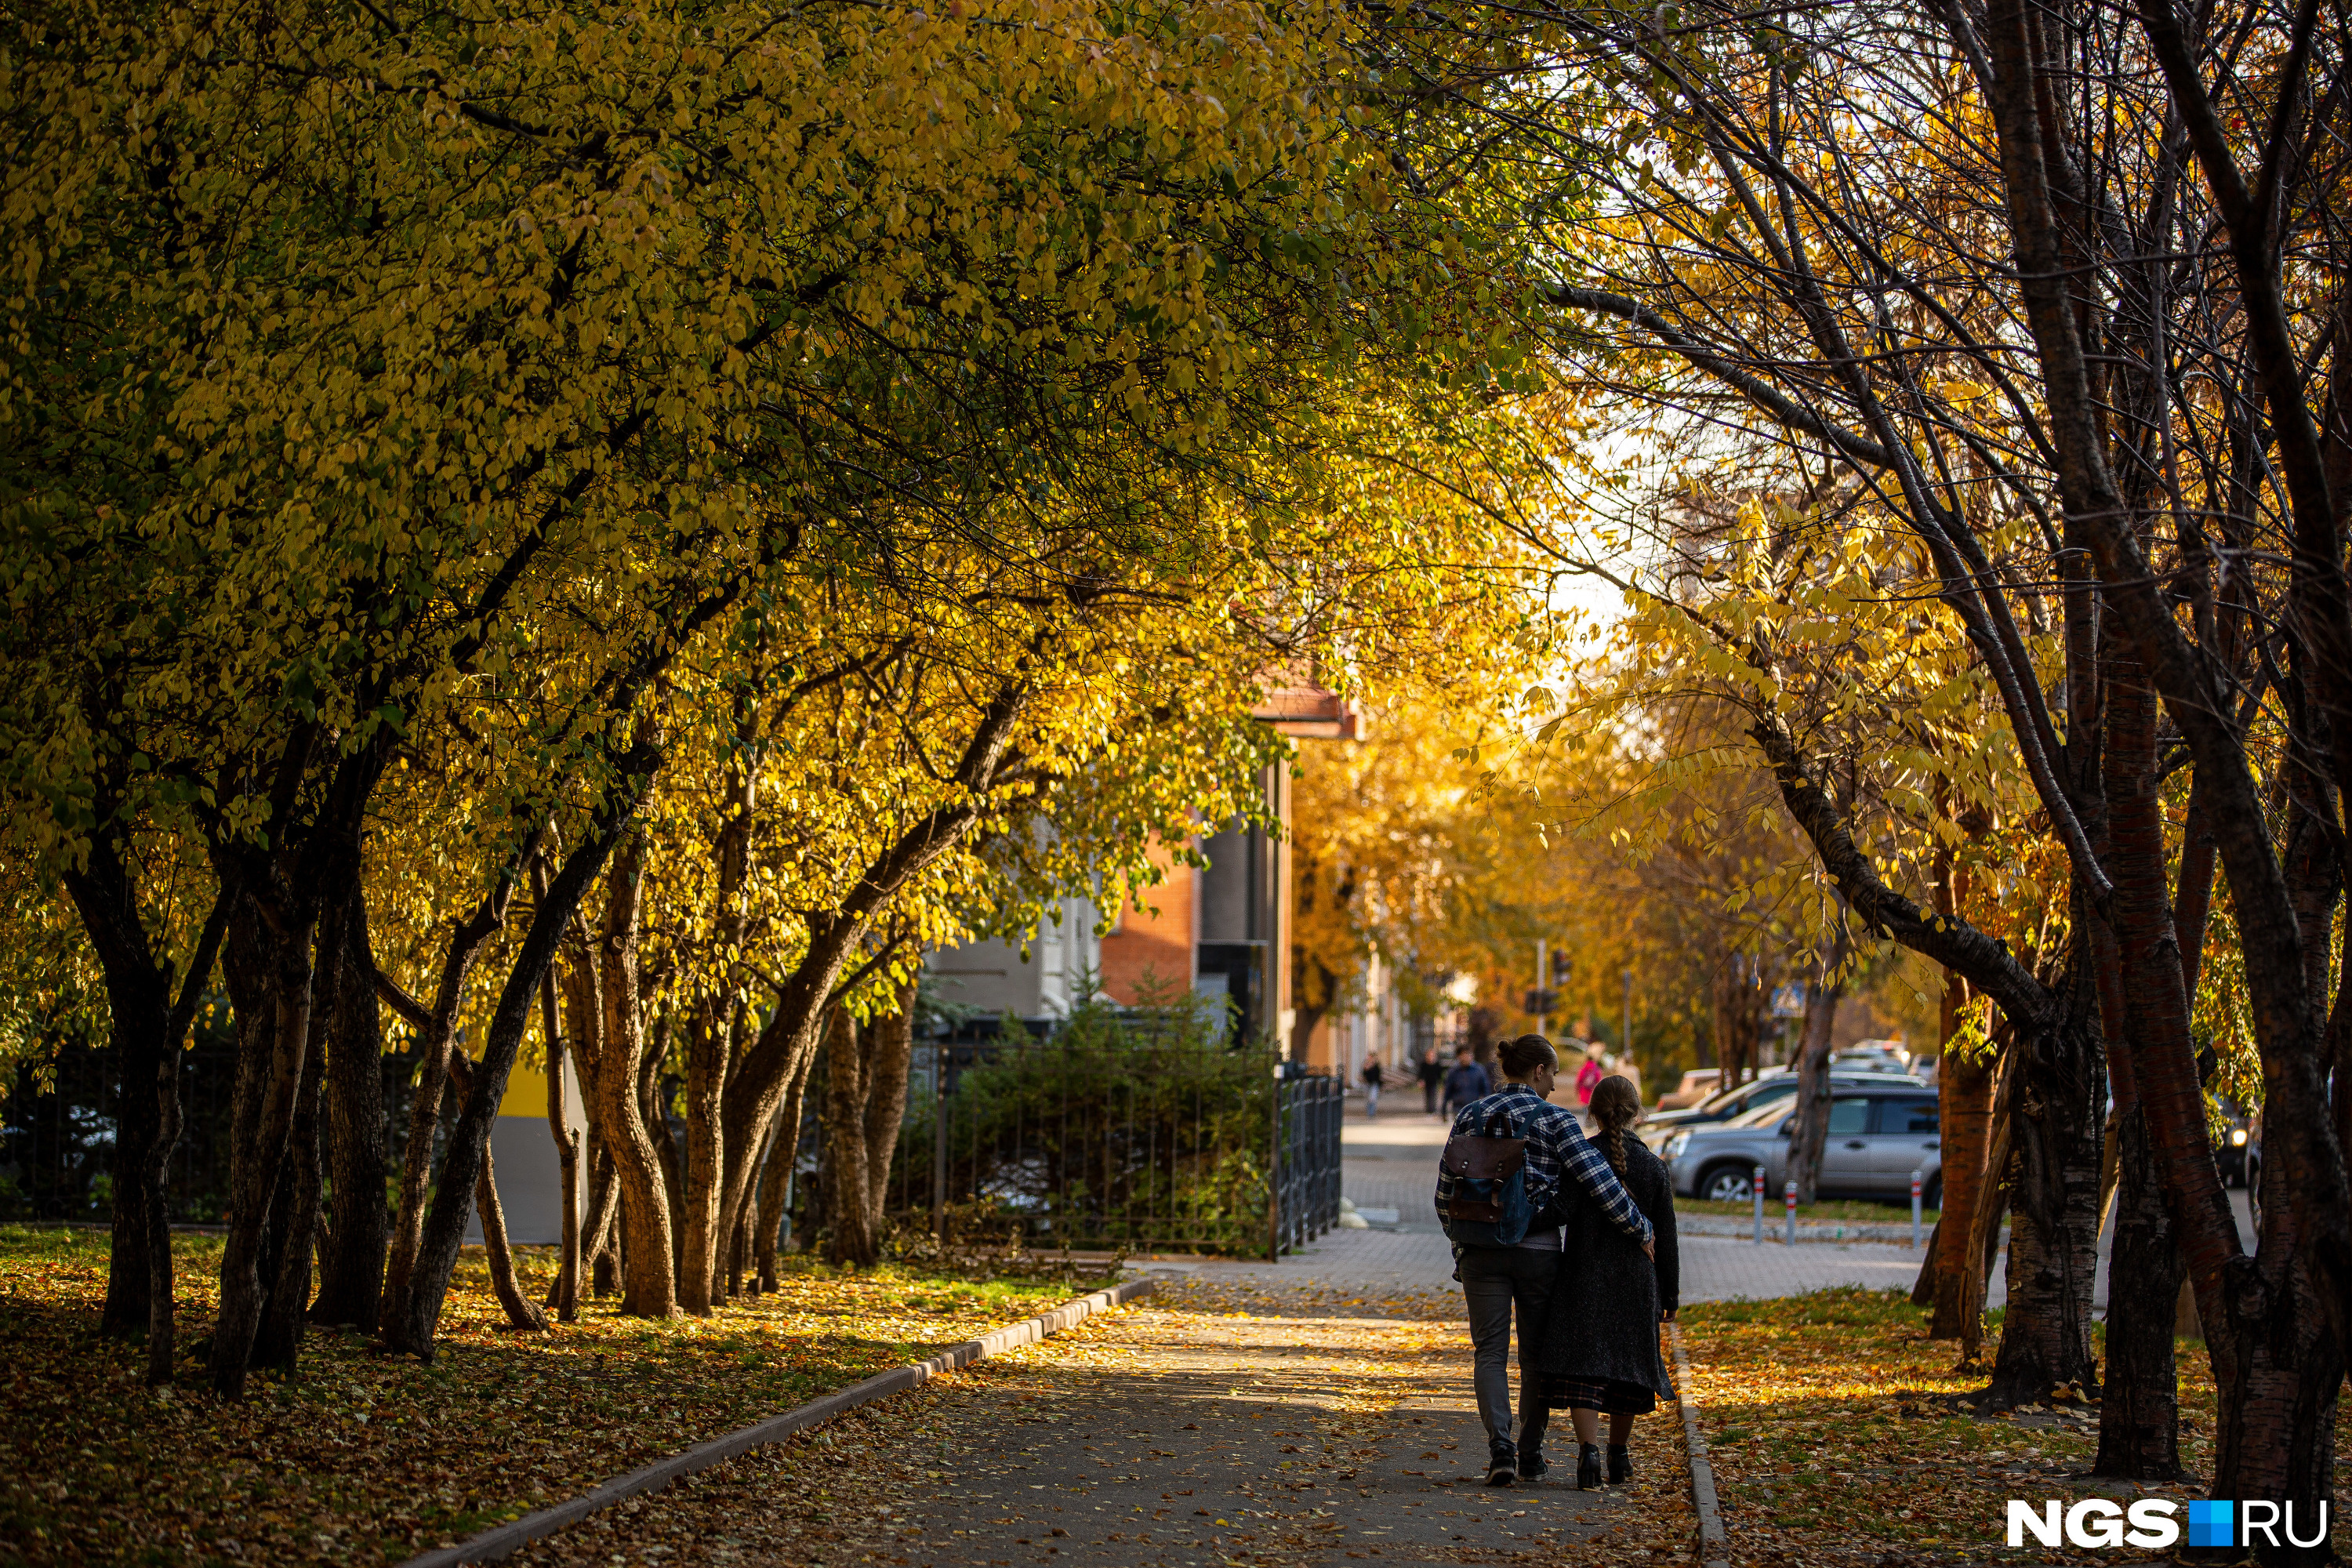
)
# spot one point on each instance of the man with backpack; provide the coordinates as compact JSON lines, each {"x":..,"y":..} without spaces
{"x":1504,"y":1164}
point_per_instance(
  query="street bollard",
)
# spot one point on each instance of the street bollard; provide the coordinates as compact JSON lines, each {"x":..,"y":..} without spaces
{"x":1791,"y":1195}
{"x":1755,"y":1187}
{"x":1917,"y":1180}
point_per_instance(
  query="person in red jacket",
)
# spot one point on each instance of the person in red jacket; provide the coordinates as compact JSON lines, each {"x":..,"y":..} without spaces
{"x":1587,"y":1078}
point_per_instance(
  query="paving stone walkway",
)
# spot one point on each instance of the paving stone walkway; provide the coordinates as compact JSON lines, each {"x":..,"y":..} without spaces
{"x":1205,"y":1426}
{"x":1391,"y":1164}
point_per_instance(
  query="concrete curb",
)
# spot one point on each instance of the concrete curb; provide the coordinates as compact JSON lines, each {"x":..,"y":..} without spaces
{"x":500,"y":1542}
{"x":1714,"y":1545}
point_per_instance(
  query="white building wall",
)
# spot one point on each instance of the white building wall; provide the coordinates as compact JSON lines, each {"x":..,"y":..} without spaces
{"x":996,"y":978}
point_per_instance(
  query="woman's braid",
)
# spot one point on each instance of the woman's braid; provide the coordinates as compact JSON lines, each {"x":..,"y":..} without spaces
{"x":1615,"y":1103}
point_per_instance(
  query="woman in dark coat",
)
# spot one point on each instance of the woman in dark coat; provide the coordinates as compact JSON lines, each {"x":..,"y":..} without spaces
{"x":1601,"y":1342}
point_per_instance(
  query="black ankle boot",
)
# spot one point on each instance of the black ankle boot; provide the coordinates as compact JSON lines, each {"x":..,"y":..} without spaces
{"x":1621,"y":1464}
{"x":1588,"y":1466}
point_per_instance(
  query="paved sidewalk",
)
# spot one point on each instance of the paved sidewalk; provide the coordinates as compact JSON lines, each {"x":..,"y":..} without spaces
{"x":1202,"y":1427}
{"x":1380,"y":1262}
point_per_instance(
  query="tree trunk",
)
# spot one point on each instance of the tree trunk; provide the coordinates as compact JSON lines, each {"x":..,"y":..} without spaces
{"x":580,"y":987}
{"x":794,"y":1040}
{"x":1965,"y":1118}
{"x":2139,"y":1416}
{"x":154,"y":1195}
{"x":352,"y":1255}
{"x":294,"y":1221}
{"x":415,"y":1170}
{"x":145,"y":1026}
{"x":437,"y":1032}
{"x":746,"y":1256}
{"x":1984,"y":1227}
{"x":708,"y":1223}
{"x":850,"y":1235}
{"x":701,"y":1194}
{"x":510,"y":1020}
{"x":521,"y":1312}
{"x":2054,"y":1142}
{"x":138,"y":1004}
{"x":653,"y":1110}
{"x":566,"y":1295}
{"x":269,"y":985}
{"x":601,"y":1232}
{"x":1812,"y":1105}
{"x":890,"y":1048}
{"x":776,"y":1184}
{"x":649,"y":1280}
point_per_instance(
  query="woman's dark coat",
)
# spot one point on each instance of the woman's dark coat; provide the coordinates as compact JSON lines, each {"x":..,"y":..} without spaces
{"x":1603,"y":1325}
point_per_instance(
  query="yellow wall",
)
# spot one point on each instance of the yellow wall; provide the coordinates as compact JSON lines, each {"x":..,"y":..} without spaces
{"x":526,"y":1093}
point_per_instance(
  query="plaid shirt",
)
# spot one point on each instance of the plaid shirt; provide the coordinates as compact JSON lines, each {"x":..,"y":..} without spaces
{"x":1556,"y":1144}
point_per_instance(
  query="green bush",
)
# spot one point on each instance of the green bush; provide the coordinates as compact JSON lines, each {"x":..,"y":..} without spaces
{"x":1127,"y":1129}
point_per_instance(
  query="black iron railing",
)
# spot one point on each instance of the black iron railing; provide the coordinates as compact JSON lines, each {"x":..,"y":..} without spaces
{"x":1306,"y":1160}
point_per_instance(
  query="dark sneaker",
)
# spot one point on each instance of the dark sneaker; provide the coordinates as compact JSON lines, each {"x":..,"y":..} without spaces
{"x":1531,"y":1466}
{"x":1502,"y":1469}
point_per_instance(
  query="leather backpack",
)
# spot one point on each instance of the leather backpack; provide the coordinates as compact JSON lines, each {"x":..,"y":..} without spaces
{"x":1489,"y":1205}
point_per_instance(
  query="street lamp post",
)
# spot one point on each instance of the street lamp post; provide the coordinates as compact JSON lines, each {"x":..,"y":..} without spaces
{"x":1625,"y":1040}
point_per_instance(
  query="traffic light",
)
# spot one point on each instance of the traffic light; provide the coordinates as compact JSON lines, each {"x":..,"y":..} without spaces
{"x":1559,"y":971}
{"x":1541,"y":1001}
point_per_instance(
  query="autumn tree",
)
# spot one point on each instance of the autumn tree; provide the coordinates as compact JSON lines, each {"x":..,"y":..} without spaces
{"x":1822,"y":247}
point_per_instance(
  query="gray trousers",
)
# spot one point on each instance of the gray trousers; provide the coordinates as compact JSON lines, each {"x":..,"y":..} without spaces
{"x":1494,"y":1279}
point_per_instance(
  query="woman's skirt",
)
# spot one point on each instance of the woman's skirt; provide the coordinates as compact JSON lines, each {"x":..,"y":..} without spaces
{"x":1610,"y":1397}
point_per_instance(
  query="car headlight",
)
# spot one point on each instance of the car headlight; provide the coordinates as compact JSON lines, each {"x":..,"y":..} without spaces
{"x":2237,"y":1137}
{"x":1676,"y":1144}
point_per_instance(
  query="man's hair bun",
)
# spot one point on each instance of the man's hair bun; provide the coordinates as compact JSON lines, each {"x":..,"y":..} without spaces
{"x":1523,"y":1055}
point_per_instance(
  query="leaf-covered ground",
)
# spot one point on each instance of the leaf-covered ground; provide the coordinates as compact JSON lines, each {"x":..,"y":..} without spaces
{"x":1835,"y":1438}
{"x":1211,"y":1425}
{"x":366,"y":1459}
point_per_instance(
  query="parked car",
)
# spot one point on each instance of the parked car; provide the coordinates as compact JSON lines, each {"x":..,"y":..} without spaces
{"x":1776,"y":1085}
{"x":1877,"y":1137}
{"x":1695,"y":1086}
{"x":1871,"y":1060}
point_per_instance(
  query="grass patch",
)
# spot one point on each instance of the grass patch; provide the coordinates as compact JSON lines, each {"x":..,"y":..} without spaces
{"x":368,"y":1458}
{"x":1833,"y":1443}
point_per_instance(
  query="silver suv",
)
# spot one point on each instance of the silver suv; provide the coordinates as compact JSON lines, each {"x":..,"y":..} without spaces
{"x":1877,"y":1137}
{"x":1777,"y":1087}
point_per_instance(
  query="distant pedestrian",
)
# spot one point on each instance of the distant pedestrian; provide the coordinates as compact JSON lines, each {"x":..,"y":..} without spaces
{"x":1374,"y":1078}
{"x":1511,"y":1158}
{"x":1432,"y":1073}
{"x":1466,"y":1082}
{"x":1601,"y":1349}
{"x":1587,"y":1078}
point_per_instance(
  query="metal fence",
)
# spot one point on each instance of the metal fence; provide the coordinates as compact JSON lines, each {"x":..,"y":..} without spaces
{"x":58,"y":1129}
{"x":1306,"y":1157}
{"x":57,"y":1134}
{"x":1124,"y":1139}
